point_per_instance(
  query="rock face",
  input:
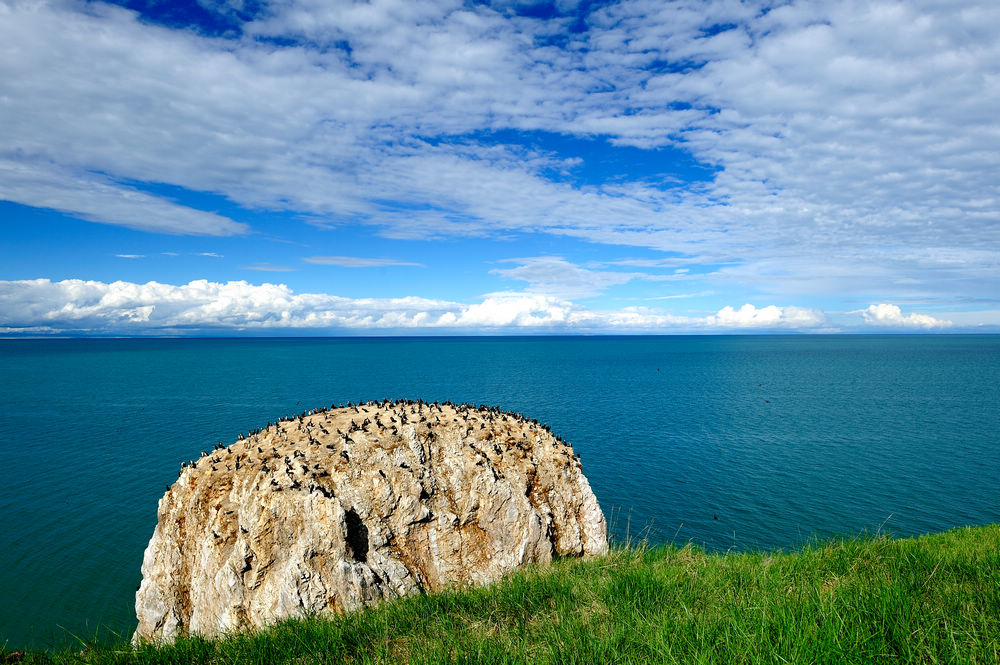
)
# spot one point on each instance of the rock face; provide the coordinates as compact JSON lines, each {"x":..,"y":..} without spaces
{"x":341,"y":508}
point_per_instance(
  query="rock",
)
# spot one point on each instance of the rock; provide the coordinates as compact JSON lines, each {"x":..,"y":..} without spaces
{"x":337,"y":509}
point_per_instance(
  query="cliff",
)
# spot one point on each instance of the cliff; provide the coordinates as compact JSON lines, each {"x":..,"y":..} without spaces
{"x":341,"y":508}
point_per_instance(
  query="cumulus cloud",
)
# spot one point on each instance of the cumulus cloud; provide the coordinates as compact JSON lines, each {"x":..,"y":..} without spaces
{"x":771,"y":316}
{"x":358,"y":262}
{"x":238,"y":306}
{"x":888,"y":315}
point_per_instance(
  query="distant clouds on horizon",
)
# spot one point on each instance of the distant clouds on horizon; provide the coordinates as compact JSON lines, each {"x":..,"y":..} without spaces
{"x":437,"y":165}
{"x":73,"y":306}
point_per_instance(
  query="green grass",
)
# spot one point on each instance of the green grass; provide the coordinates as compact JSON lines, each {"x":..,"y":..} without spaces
{"x":934,"y":599}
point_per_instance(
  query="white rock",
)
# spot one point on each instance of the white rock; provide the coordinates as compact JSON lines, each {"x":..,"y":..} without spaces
{"x":312,"y":521}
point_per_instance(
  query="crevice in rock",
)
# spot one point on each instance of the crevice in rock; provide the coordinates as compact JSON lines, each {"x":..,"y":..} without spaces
{"x":356,"y":537}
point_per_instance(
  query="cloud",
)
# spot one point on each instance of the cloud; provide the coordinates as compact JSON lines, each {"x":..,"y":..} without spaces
{"x":556,"y":276}
{"x":267,"y":267}
{"x":771,"y":316}
{"x":130,"y":256}
{"x":95,"y":198}
{"x":211,"y":255}
{"x":682,"y":295}
{"x":78,"y":306}
{"x":671,"y":262}
{"x":888,"y":315}
{"x":845,"y":133}
{"x":358,"y":262}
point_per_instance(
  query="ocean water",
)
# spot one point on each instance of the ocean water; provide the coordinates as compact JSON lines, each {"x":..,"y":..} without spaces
{"x":734,"y":443}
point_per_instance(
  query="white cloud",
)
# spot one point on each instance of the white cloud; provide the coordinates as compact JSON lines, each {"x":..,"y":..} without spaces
{"x":129,"y":308}
{"x":554,"y":275}
{"x":267,"y":267}
{"x":771,"y":316}
{"x":885,"y":314}
{"x":517,"y":310}
{"x":211,"y":255}
{"x":845,"y":133}
{"x":357,"y":262}
{"x":130,"y":256}
{"x":677,"y":296}
{"x":99,"y":199}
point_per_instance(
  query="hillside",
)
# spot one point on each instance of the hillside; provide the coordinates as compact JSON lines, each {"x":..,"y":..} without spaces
{"x":930,"y":599}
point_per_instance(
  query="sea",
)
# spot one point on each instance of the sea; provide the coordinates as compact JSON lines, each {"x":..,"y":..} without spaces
{"x":733,"y":443}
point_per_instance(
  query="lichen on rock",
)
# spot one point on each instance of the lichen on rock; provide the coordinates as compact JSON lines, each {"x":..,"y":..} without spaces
{"x":340,"y":508}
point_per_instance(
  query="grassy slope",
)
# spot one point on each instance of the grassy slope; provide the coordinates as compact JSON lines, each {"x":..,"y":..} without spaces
{"x":925,"y":600}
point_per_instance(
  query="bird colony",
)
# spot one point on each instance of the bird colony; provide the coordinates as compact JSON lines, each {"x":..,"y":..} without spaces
{"x":335,"y":509}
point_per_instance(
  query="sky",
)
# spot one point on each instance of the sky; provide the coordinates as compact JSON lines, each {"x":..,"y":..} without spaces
{"x":330,"y":167}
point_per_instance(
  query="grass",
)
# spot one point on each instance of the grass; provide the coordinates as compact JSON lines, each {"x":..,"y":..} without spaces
{"x":933,"y":599}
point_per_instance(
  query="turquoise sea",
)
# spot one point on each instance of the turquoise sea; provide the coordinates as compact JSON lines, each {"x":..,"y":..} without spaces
{"x":736,"y":442}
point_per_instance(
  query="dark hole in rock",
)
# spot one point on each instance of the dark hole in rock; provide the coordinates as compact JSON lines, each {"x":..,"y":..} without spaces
{"x":357,"y":536}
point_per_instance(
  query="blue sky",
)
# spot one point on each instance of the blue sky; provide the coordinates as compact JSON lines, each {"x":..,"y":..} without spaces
{"x":443,"y":167}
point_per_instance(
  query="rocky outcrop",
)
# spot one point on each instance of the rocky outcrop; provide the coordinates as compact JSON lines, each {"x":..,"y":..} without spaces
{"x":341,"y":508}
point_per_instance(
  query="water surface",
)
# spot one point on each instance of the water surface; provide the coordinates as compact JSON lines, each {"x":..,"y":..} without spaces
{"x":731,"y":442}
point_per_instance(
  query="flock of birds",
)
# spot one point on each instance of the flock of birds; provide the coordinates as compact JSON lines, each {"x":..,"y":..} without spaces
{"x":381,"y":418}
